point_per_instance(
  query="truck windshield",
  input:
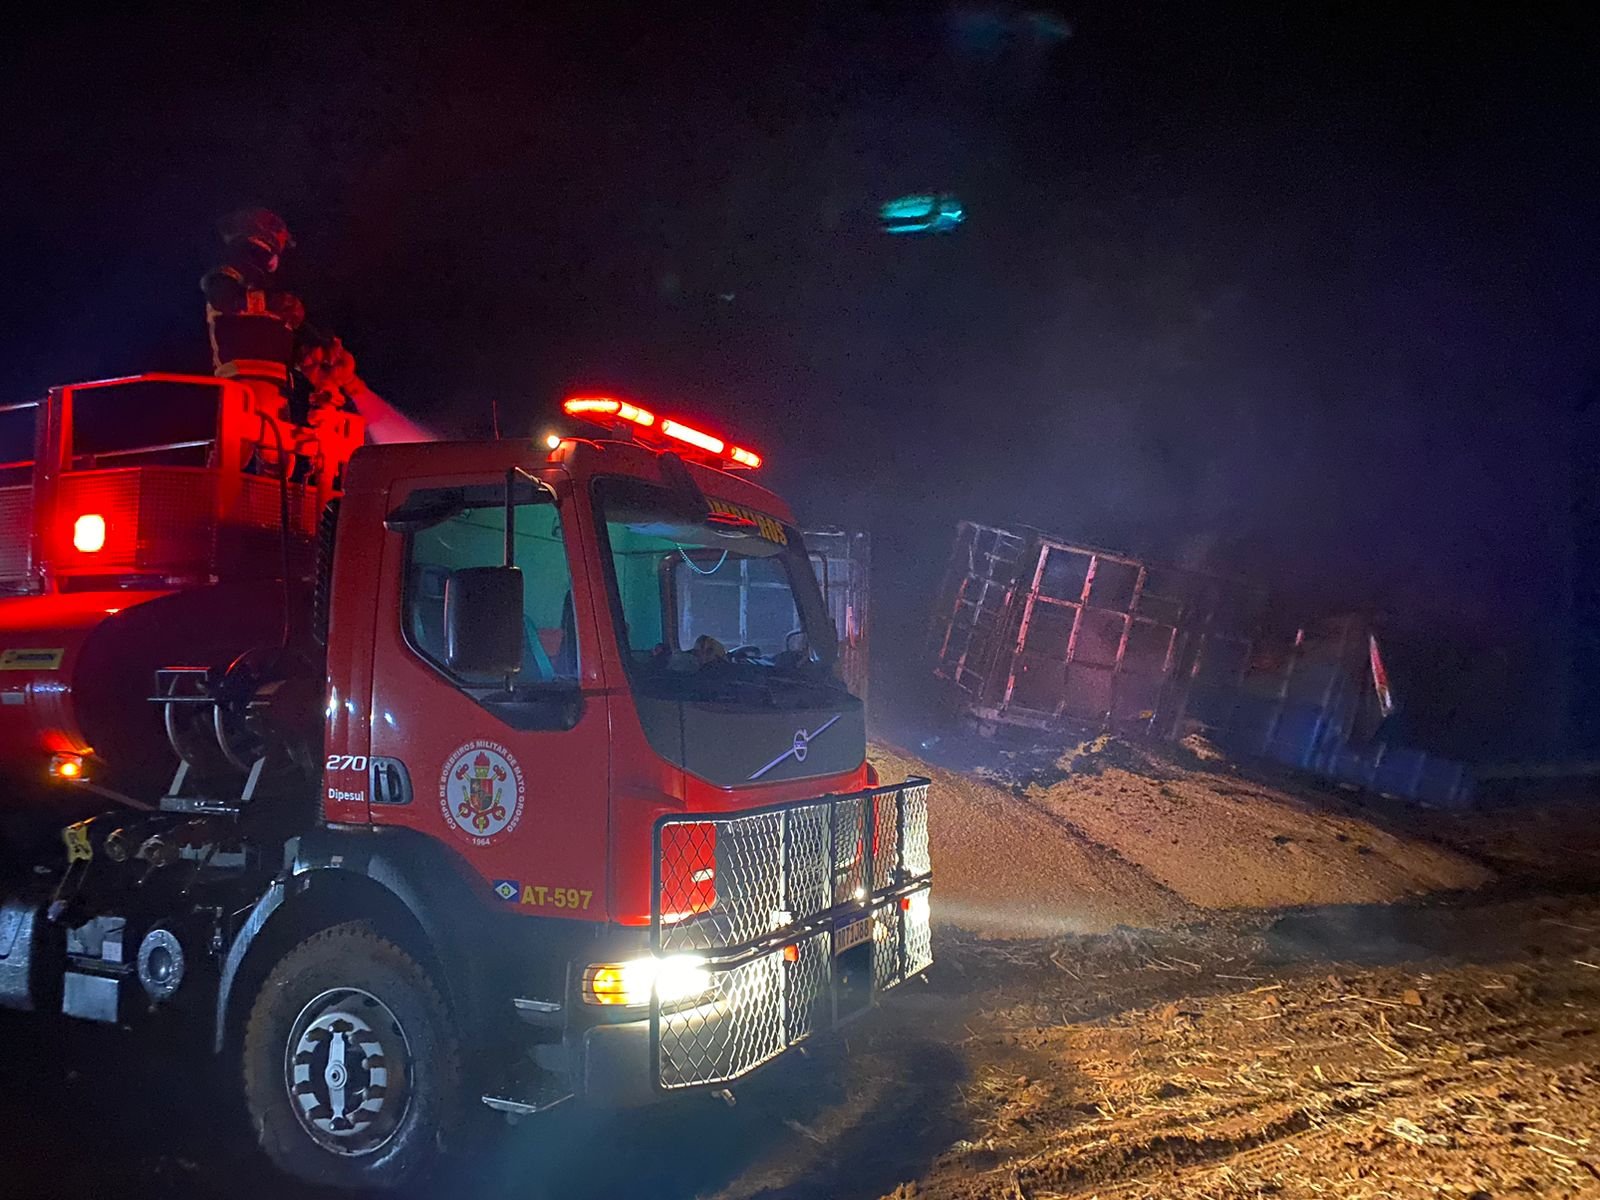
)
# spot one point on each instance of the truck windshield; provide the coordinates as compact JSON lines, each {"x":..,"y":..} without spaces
{"x":718,"y":607}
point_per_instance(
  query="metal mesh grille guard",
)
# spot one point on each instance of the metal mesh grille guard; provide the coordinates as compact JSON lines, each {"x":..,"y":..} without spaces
{"x":801,"y":912}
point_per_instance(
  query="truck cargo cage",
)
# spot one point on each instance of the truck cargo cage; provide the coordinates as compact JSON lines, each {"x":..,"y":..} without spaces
{"x":800,"y":913}
{"x":842,"y":560}
{"x":1034,"y":631}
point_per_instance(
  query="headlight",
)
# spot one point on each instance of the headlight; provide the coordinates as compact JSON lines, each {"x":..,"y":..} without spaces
{"x":672,"y":980}
{"x":918,"y":907}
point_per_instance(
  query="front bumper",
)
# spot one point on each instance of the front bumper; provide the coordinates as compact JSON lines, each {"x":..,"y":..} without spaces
{"x":820,"y":907}
{"x":617,"y":1065}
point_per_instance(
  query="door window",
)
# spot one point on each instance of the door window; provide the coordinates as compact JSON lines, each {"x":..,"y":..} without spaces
{"x":474,"y":535}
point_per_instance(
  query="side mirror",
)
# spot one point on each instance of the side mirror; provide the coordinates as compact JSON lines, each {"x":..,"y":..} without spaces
{"x":483,"y":620}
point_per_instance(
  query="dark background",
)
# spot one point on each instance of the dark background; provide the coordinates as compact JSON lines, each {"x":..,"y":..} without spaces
{"x":1308,"y":294}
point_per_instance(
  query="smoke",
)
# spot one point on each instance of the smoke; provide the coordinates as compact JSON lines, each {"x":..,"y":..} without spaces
{"x":1010,"y":920}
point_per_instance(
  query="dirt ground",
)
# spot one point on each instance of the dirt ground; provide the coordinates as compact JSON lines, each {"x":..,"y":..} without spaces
{"x":1115,"y":833}
{"x":1413,"y":1050}
{"x":1111,"y":1014}
{"x":1350,"y":1053}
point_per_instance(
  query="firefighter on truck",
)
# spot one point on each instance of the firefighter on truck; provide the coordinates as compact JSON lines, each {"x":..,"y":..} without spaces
{"x":424,"y":778}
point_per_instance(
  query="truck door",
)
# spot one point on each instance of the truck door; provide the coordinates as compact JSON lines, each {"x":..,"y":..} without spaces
{"x":512,"y":774}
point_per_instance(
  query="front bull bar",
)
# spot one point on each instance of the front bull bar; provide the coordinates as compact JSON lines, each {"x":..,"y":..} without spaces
{"x":801,"y":914}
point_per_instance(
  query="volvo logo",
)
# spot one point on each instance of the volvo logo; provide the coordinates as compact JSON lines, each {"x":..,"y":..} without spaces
{"x":800,"y":747}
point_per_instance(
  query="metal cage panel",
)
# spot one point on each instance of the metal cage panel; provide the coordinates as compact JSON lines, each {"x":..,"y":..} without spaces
{"x":802,"y":914}
{"x":1033,"y":630}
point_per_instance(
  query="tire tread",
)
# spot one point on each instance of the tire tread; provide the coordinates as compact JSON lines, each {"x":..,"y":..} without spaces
{"x":282,"y":1140}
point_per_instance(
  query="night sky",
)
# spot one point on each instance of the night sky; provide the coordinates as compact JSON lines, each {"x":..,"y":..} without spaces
{"x":1310,"y":296}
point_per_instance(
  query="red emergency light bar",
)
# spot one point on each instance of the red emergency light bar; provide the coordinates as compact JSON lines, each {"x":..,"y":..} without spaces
{"x":611,"y":413}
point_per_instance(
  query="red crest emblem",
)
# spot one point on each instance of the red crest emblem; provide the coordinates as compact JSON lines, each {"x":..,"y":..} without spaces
{"x":480,"y":790}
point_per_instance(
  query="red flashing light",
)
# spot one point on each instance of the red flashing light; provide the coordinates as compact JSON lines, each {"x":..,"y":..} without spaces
{"x":610,"y":411}
{"x":686,"y":433}
{"x":584,"y":406}
{"x":89,"y":533}
{"x":608,"y":406}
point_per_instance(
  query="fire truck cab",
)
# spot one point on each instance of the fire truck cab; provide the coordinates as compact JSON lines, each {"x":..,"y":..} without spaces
{"x":547,"y":790}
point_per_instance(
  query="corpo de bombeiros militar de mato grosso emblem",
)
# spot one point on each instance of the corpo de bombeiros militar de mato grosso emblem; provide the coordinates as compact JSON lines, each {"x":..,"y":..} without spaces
{"x":480,"y":791}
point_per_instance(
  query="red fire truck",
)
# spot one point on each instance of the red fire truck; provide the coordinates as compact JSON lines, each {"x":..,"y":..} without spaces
{"x":428,"y":776}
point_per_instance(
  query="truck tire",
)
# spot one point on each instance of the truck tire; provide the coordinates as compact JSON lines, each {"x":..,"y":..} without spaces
{"x":352,"y":1066}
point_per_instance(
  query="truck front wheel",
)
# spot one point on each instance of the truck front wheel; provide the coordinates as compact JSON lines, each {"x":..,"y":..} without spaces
{"x":352,"y":1068}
